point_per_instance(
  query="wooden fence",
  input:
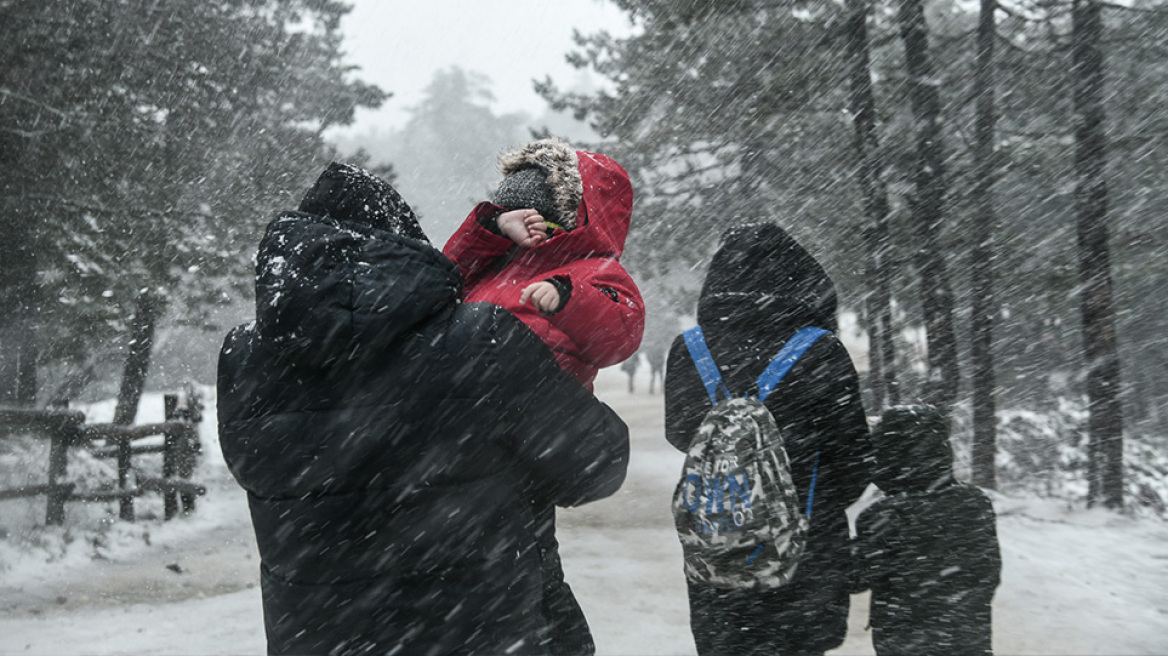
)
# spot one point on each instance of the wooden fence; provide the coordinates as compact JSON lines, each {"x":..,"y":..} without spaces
{"x":66,"y":429}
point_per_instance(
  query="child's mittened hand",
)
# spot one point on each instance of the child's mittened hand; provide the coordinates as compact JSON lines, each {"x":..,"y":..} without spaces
{"x":543,"y":295}
{"x":524,"y":227}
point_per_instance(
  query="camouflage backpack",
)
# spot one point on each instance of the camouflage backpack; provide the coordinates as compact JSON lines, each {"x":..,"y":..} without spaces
{"x":736,"y":507}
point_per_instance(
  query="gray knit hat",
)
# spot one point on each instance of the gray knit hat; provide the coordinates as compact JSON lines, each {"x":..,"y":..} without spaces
{"x":542,"y":175}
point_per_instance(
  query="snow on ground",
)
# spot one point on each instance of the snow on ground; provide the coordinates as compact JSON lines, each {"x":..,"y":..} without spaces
{"x":1075,"y":581}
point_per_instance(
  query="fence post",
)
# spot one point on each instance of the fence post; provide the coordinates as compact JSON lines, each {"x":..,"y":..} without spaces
{"x":186,"y":463}
{"x":126,"y":502}
{"x":178,"y":459}
{"x":64,"y":432}
{"x":170,"y":455}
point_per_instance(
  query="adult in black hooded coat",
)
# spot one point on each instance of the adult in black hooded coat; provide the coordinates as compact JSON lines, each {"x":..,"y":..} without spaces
{"x":392,"y":439}
{"x":761,"y":288}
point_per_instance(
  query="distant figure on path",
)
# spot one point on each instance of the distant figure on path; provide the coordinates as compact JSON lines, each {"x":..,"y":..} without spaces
{"x":656,"y":357}
{"x":630,"y":367}
{"x":395,"y":442}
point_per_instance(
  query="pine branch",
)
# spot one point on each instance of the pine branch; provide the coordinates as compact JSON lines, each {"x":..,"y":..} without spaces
{"x":1160,"y":11}
{"x":97,"y":208}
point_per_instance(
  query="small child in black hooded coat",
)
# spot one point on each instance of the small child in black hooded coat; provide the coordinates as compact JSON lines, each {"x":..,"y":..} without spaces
{"x":929,"y":550}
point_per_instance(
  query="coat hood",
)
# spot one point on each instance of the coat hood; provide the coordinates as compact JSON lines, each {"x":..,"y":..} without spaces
{"x":345,"y":283}
{"x":761,"y":280}
{"x":606,"y":209}
{"x":591,"y":194}
{"x":913,"y":453}
{"x":544,"y":175}
{"x":351,"y":194}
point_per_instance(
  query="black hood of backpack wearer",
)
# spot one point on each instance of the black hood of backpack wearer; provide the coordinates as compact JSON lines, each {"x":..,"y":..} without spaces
{"x":345,"y":283}
{"x":913,"y":453}
{"x":761,"y":281}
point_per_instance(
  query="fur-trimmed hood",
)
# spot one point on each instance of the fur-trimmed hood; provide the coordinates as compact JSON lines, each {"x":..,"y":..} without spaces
{"x":591,"y":189}
{"x":558,"y":160}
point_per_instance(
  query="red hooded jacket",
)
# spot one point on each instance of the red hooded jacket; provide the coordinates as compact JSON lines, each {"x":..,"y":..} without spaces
{"x":603,"y":321}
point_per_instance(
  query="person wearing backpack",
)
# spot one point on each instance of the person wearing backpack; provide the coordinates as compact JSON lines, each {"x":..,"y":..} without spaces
{"x":928,"y":550}
{"x":761,"y":290}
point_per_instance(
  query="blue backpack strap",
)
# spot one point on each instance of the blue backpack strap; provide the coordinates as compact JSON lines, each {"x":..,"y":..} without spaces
{"x":782,"y":363}
{"x":811,"y":490}
{"x":777,"y":369}
{"x":704,"y":362}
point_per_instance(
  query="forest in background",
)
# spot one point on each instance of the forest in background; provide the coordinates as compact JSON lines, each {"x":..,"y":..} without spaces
{"x":991,"y":173}
{"x":144,"y":145}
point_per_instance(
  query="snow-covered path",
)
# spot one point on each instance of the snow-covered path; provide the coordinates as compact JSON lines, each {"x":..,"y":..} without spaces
{"x":1075,"y":581}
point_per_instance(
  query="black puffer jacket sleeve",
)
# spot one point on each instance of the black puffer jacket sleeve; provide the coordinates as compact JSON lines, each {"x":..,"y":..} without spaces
{"x":574,"y":448}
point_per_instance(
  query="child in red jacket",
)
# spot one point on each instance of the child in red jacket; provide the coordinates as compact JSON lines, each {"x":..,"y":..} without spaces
{"x":547,"y":248}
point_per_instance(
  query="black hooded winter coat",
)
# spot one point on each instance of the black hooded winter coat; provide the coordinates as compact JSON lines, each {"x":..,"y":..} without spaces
{"x":761,"y":288}
{"x":392,"y":440}
{"x":929,"y":549}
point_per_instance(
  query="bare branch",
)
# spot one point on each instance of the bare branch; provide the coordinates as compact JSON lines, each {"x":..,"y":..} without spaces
{"x":32,"y":101}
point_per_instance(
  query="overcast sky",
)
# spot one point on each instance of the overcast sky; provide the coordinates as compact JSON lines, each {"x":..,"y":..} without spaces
{"x":399,"y":44}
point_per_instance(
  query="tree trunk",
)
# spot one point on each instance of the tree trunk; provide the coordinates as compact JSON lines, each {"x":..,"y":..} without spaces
{"x":927,"y":208}
{"x":982,"y":269}
{"x":148,"y":305}
{"x":878,"y":305}
{"x":18,"y":353}
{"x":1105,"y":425}
{"x":18,"y":289}
{"x":146,"y":312}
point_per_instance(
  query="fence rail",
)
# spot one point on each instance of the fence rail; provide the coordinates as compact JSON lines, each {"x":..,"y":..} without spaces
{"x":67,"y":429}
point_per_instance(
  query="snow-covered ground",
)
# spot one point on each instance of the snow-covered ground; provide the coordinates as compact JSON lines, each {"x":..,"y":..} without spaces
{"x":1074,"y":581}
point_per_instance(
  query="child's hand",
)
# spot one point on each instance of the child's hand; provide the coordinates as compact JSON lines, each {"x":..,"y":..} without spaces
{"x":544,"y":296}
{"x":524,"y":227}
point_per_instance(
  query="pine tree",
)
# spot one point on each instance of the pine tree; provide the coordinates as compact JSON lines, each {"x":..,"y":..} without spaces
{"x":143,"y":146}
{"x":446,"y":154}
{"x":722,"y":113}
